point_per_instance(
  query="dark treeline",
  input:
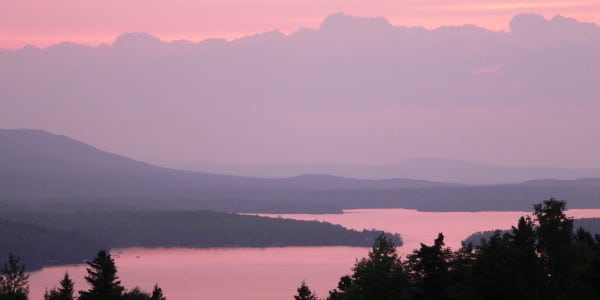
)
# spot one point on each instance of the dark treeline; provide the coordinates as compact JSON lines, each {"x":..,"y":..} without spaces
{"x":101,"y":277}
{"x":541,"y":258}
{"x":52,"y":238}
{"x":591,"y":225}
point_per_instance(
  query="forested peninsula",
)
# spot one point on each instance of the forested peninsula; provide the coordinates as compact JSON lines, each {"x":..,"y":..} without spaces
{"x":54,"y":238}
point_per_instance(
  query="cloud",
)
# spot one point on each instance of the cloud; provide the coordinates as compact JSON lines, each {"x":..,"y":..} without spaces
{"x":93,"y":22}
{"x":354,"y":90}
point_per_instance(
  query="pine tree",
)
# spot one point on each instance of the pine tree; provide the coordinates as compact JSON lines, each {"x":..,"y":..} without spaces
{"x":14,"y":283}
{"x":64,"y":292}
{"x":304,"y":293}
{"x":430,"y":269}
{"x":66,"y":289}
{"x":381,"y":276}
{"x":136,"y":294}
{"x":157,"y":293}
{"x":102,"y":277}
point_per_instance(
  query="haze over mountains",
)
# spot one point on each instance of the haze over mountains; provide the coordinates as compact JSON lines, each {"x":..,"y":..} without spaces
{"x":38,"y":165}
{"x":443,"y":170}
{"x":41,"y":170}
{"x":356,"y":91}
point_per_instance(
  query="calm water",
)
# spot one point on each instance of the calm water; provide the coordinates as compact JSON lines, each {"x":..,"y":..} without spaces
{"x":275,"y":273}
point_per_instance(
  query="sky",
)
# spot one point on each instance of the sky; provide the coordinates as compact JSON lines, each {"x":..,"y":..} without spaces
{"x":354,"y":89}
{"x":42,"y":23}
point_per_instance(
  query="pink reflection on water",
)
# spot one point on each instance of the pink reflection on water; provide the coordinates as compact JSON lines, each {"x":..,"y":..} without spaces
{"x":221,"y":273}
{"x":417,"y":227}
{"x":275,"y":273}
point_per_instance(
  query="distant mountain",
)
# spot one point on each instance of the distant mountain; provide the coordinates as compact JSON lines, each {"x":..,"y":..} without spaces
{"x":39,"y":165}
{"x":331,"y":182}
{"x":37,"y":168}
{"x":439,"y":170}
{"x":556,"y":182}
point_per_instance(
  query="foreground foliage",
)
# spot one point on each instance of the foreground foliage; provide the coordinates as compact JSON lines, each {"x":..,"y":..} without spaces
{"x":101,"y":277}
{"x":543,"y":257}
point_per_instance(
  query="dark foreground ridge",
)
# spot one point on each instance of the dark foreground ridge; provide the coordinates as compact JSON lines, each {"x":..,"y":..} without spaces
{"x":45,"y":239}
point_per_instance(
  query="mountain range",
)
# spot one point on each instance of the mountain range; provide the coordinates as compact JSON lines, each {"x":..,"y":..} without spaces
{"x":432,"y":169}
{"x":39,"y":166}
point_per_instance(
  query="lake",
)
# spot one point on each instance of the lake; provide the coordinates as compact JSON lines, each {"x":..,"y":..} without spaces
{"x":275,"y":273}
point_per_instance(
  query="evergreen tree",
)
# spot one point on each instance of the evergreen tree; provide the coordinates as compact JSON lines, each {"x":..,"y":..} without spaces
{"x":51,"y":295}
{"x":66,"y":289}
{"x":157,"y":293}
{"x":136,"y":294}
{"x":429,"y":269}
{"x":554,"y":245}
{"x":102,"y":278}
{"x":381,"y":276}
{"x":64,"y":292}
{"x":304,"y":293}
{"x":528,"y":274}
{"x":14,"y":283}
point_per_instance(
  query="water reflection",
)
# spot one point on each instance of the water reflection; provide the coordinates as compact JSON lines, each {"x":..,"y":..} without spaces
{"x":275,"y":273}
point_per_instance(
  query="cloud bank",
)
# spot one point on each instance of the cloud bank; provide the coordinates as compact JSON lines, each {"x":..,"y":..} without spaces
{"x":355,"y":90}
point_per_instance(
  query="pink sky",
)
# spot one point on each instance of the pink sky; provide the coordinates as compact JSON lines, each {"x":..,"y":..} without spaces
{"x":42,"y":23}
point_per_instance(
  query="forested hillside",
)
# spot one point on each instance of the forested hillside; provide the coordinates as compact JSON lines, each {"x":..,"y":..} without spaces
{"x":43,"y":239}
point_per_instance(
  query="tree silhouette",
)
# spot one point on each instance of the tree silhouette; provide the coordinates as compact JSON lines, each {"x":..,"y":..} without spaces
{"x":157,"y":293}
{"x":304,"y":293}
{"x":429,"y":269}
{"x":381,"y":276}
{"x":136,"y":294}
{"x":64,"y":292}
{"x":14,"y":283}
{"x":555,"y":236}
{"x":102,"y":278}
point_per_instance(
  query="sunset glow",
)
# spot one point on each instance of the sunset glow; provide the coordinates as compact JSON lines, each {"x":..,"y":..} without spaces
{"x":43,"y":23}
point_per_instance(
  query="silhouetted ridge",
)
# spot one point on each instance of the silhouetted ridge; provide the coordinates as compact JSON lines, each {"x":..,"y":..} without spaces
{"x":37,"y":165}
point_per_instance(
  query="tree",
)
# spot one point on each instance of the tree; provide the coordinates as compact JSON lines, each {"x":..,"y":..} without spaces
{"x":14,"y":283}
{"x":555,"y":238}
{"x":51,"y":294}
{"x":157,"y":293}
{"x":304,"y":293}
{"x":429,"y":269}
{"x":528,"y":276}
{"x":381,"y":276}
{"x":64,"y":292}
{"x":136,"y":294}
{"x":102,"y":278}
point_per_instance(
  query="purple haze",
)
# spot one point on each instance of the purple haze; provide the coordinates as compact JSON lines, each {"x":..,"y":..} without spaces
{"x":357,"y":90}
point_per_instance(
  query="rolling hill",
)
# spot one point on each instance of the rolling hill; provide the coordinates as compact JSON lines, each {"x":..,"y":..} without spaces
{"x":37,"y":165}
{"x":38,"y":168}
